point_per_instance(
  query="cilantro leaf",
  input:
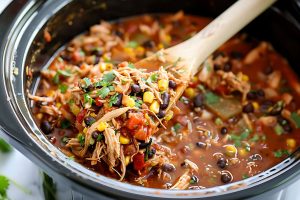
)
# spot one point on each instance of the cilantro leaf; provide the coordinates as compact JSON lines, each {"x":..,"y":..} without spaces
{"x":4,"y":184}
{"x":281,"y":152}
{"x":65,"y":124}
{"x":176,"y":127}
{"x":131,"y":65}
{"x":63,"y":88}
{"x":66,"y":73}
{"x":296,"y":118}
{"x":87,"y":81}
{"x":109,"y":77}
{"x":113,"y":100}
{"x":132,"y":44}
{"x":278,"y":129}
{"x":88,"y":99}
{"x":103,"y":92}
{"x":211,"y":98}
{"x":4,"y":147}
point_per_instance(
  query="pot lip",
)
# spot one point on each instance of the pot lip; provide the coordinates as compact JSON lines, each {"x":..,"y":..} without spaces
{"x":85,"y":177}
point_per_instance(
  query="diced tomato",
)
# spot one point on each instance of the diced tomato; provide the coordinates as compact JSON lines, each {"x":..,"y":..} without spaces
{"x":141,"y":134}
{"x":80,"y":116}
{"x":135,"y":121}
{"x":77,"y":56}
{"x":98,"y":102}
{"x":193,"y":84}
{"x":138,"y":161}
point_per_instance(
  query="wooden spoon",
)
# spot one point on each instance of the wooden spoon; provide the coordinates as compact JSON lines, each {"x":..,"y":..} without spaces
{"x":193,"y":52}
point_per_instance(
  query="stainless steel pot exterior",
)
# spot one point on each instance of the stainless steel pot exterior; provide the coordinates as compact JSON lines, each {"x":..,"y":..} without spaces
{"x":22,"y":45}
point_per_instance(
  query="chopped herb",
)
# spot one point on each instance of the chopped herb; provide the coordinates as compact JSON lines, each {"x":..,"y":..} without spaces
{"x":4,"y":147}
{"x":138,"y":103}
{"x":148,"y":150}
{"x":281,"y":152}
{"x":56,"y":79}
{"x":71,"y":158}
{"x":218,"y":121}
{"x":192,"y":181}
{"x":244,"y":176}
{"x":113,"y":100}
{"x":100,"y":137}
{"x":211,"y":98}
{"x":71,"y":101}
{"x":81,"y":139}
{"x":65,"y":124}
{"x":201,"y":87}
{"x":176,"y":127}
{"x":239,"y":138}
{"x":132,"y":44}
{"x":109,"y":77}
{"x":88,"y":99}
{"x":65,"y":140}
{"x":103,"y":92}
{"x":296,"y":118}
{"x":152,"y":78}
{"x":4,"y":184}
{"x":111,"y":88}
{"x":92,"y":141}
{"x":87,"y":81}
{"x":66,"y":73}
{"x":278,"y":129}
{"x":63,"y":88}
{"x":245,"y":134}
{"x":131,"y":65}
{"x":184,"y":100}
{"x":255,"y":138}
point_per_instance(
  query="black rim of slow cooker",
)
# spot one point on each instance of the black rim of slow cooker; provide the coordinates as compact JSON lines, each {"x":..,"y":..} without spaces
{"x":25,"y":27}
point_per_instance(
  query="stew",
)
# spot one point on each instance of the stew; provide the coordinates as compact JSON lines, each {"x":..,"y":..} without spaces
{"x":238,"y":116}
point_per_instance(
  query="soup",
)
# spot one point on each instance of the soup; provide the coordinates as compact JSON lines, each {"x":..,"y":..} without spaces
{"x":238,"y":116}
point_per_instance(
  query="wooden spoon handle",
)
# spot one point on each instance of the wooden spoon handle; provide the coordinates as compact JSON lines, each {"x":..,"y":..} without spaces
{"x":195,"y":50}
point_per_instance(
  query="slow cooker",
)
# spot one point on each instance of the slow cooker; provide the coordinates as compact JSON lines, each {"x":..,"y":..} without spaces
{"x":22,"y":47}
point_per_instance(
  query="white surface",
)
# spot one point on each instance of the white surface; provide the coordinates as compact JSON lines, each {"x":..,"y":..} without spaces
{"x":19,"y":169}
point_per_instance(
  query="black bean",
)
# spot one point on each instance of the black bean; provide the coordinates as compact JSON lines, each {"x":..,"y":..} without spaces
{"x":227,"y":67}
{"x":194,"y":179}
{"x":276,"y":109}
{"x":265,"y":106}
{"x":260,"y":93}
{"x":248,"y":108}
{"x":165,"y":100}
{"x":135,"y":88}
{"x":97,"y":52}
{"x":217,"y":67}
{"x":161,"y":113}
{"x":89,"y":120}
{"x":168,"y":167}
{"x":222,"y":163}
{"x":233,"y":120}
{"x":287,"y":128}
{"x":95,"y":134}
{"x":252,"y":95}
{"x":184,"y":165}
{"x":119,"y":100}
{"x":224,"y":130}
{"x":201,"y":144}
{"x":268,"y":70}
{"x":89,"y":88}
{"x":46,"y":127}
{"x":143,"y":145}
{"x":198,"y":100}
{"x":118,"y":33}
{"x":236,"y":55}
{"x":152,"y":153}
{"x":172,"y":84}
{"x":149,"y":44}
{"x":281,"y":120}
{"x":217,"y":54}
{"x":226,"y":177}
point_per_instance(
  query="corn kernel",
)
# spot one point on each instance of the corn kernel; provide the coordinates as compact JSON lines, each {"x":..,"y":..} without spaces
{"x":58,"y":105}
{"x":140,"y":50}
{"x":39,"y":116}
{"x":190,"y":92}
{"x":93,"y":115}
{"x":130,"y":102}
{"x":230,"y":150}
{"x":245,"y":78}
{"x":102,"y":67}
{"x":127,"y":160}
{"x":194,"y":79}
{"x":169,"y":115}
{"x":163,"y":85}
{"x":154,"y":107}
{"x":148,"y":97}
{"x":74,"y":108}
{"x":243,"y":152}
{"x":51,"y":93}
{"x":85,"y":130}
{"x":102,"y":126}
{"x":160,"y":46}
{"x":124,"y":140}
{"x":168,"y":39}
{"x":255,"y":105}
{"x":291,"y":143}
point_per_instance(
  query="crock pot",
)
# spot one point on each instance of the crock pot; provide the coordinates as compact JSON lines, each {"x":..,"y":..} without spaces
{"x":22,"y":46}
